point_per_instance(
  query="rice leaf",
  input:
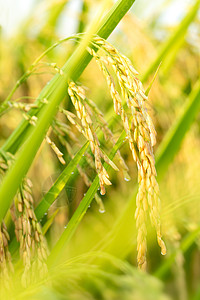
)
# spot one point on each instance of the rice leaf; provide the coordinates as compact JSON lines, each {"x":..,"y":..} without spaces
{"x":175,"y":135}
{"x":59,"y":184}
{"x":49,"y":222}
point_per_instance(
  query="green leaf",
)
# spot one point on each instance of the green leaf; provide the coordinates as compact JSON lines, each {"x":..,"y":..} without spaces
{"x":49,"y":222}
{"x":59,"y":184}
{"x":175,"y":135}
{"x":152,"y":81}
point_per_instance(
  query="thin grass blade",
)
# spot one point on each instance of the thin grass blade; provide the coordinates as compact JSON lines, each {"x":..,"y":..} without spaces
{"x":59,"y":184}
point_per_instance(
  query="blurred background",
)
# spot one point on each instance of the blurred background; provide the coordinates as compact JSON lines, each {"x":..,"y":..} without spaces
{"x":153,"y":32}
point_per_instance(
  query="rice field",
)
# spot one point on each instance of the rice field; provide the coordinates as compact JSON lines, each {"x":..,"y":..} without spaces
{"x":99,"y":150}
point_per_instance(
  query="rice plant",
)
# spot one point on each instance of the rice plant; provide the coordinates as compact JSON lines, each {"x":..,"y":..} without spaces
{"x":99,"y":154}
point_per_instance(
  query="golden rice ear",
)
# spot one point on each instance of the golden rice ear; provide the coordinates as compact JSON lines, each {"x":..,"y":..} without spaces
{"x":141,"y":136}
{"x":90,"y":110}
{"x":139,"y":129}
{"x":6,"y":266}
{"x":108,"y":135}
{"x":33,"y":247}
{"x":56,"y":150}
{"x":28,"y":233}
{"x":78,"y":97}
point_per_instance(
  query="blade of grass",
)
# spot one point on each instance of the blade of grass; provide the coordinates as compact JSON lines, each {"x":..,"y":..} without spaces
{"x":175,"y":135}
{"x":54,"y":13}
{"x":54,"y":92}
{"x":152,"y":81}
{"x":59,"y":184}
{"x":49,"y":222}
{"x":83,"y":16}
{"x":171,"y":56}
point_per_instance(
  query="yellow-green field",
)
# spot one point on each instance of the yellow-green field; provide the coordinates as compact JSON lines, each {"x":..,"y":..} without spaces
{"x":100,"y":151}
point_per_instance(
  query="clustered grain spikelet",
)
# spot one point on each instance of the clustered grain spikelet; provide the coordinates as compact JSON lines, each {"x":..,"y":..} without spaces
{"x":140,"y":133}
{"x":60,"y":130}
{"x":33,"y":247}
{"x":5,"y":258}
{"x":94,"y":111}
{"x":77,"y":95}
{"x":108,"y":135}
{"x":24,"y":107}
{"x":55,"y":149}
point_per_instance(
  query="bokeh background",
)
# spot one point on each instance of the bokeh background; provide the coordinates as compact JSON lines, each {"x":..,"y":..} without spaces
{"x":27,"y":29}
